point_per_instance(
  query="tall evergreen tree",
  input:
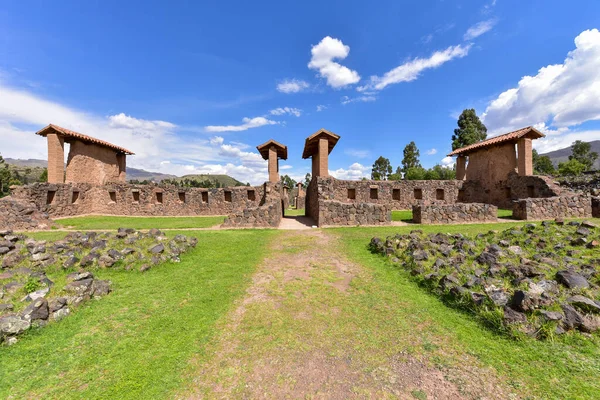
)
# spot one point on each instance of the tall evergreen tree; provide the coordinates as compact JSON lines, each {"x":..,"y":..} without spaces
{"x":411,"y":157}
{"x":381,"y":169}
{"x":470,"y":130}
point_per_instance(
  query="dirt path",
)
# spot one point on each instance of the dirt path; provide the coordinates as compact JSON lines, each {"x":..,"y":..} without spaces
{"x":314,"y":325}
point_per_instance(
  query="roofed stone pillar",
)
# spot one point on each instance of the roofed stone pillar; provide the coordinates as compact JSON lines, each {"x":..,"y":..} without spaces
{"x":461,"y":167}
{"x":318,"y":146}
{"x":56,"y":158}
{"x":272,"y":152}
{"x":300,"y":189}
{"x":525,"y":157}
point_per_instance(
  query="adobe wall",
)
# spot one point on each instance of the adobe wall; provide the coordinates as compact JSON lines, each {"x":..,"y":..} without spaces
{"x":492,"y":164}
{"x":97,"y":165}
{"x":454,"y":213}
{"x":60,"y":200}
{"x":566,"y":206}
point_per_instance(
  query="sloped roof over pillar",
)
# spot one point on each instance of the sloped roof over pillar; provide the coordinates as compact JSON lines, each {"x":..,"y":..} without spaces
{"x":263,"y":149}
{"x":311,"y":146}
{"x":70,"y":135}
{"x":528,"y":132}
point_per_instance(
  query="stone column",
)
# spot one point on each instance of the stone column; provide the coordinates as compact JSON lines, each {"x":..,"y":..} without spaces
{"x":525,"y":160}
{"x":315,"y":164}
{"x":461,"y":167}
{"x":56,"y":158}
{"x":122,"y":163}
{"x":323,"y":162}
{"x":273,"y":165}
{"x":300,"y":191}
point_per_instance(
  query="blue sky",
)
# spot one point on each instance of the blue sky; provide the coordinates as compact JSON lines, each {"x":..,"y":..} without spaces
{"x":195,"y":87}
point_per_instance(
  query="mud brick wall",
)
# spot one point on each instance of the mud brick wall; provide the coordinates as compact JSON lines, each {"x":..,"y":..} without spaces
{"x":336,"y":213}
{"x":267,"y":214}
{"x":573,"y":206}
{"x":90,"y":163}
{"x":454,"y":213}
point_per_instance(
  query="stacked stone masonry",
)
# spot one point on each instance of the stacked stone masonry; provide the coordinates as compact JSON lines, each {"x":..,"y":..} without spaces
{"x":337,"y":213}
{"x":267,"y":214}
{"x":596,"y":207}
{"x":574,"y":206}
{"x":435,"y":213}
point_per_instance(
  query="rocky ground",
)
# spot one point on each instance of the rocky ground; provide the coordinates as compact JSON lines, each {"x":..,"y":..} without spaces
{"x":586,"y":183}
{"x":541,"y":280}
{"x":42,"y":281}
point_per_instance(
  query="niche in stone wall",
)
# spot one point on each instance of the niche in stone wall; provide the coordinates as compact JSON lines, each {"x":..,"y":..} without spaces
{"x":507,"y":193}
{"x":113,"y":196}
{"x":228,"y":196}
{"x":373,"y":194}
{"x":136,"y":196}
{"x":352,"y":194}
{"x":251,"y":195}
{"x":159,"y":198}
{"x":461,"y":195}
{"x":75,"y":197}
{"x":418,"y":193}
{"x":396,"y":194}
{"x":204,"y":197}
{"x":439,"y":194}
{"x":50,"y":196}
{"x":182,"y":197}
{"x":530,"y":191}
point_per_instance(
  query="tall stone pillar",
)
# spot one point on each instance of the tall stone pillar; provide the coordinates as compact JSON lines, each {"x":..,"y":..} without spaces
{"x":56,"y":158}
{"x":318,"y":146}
{"x":323,"y":157}
{"x":461,"y":167}
{"x":273,"y":165}
{"x":122,"y":163}
{"x":525,"y":157}
{"x":300,"y":189}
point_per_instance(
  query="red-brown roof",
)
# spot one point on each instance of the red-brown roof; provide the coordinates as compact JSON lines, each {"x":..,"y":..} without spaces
{"x":67,"y":133}
{"x":530,"y":132}
{"x":263,"y":149}
{"x":311,"y":145}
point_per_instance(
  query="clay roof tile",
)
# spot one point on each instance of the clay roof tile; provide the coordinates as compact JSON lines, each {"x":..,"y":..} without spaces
{"x":507,"y":137}
{"x":67,"y":133}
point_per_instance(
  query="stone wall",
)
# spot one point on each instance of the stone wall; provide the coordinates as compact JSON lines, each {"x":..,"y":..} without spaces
{"x":436,"y":213}
{"x":60,"y":200}
{"x":337,"y":213}
{"x":20,"y":216}
{"x":267,"y":214}
{"x":312,"y":200}
{"x":97,"y":165}
{"x":565,"y":206}
{"x":596,"y":207}
{"x":300,"y":202}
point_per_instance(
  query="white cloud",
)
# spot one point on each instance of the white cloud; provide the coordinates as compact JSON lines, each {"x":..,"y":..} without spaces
{"x":321,"y":107}
{"x":354,"y":172}
{"x":447,"y":162}
{"x":561,"y":95}
{"x":357,"y":153}
{"x":479,"y":29}
{"x":292,"y":86}
{"x":431,"y":152}
{"x":286,"y":110}
{"x":359,"y":99}
{"x":322,"y":58}
{"x":216,"y":140}
{"x":410,"y":70}
{"x":248,"y":123}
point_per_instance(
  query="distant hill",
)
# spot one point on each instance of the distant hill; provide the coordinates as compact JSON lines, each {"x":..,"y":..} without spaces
{"x":37,"y":166}
{"x":562,"y":155}
{"x":223,"y":180}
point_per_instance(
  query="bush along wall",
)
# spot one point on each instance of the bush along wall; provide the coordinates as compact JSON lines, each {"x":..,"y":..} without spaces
{"x":536,"y":280}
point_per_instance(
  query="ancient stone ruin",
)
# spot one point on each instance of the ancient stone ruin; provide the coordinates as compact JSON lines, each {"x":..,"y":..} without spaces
{"x":495,"y":173}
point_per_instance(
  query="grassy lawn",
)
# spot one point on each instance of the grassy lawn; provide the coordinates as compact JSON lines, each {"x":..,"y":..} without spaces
{"x":115,"y":222}
{"x":291,"y":212}
{"x":503,"y":213}
{"x":566,"y":368}
{"x":402,"y":215}
{"x":137,"y":341}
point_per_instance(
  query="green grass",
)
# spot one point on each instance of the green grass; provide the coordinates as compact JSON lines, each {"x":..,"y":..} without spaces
{"x":110,"y":223}
{"x":565,"y":368}
{"x":137,"y":341}
{"x":291,"y":212}
{"x":402,"y":215}
{"x":503,"y":213}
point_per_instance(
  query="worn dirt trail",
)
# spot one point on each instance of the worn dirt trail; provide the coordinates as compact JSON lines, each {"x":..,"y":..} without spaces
{"x":311,"y":325}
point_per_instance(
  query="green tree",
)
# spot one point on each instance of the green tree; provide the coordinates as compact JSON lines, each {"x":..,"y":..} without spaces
{"x":44,"y":176}
{"x":396,"y":176}
{"x":411,"y":157}
{"x":542,"y":165}
{"x":307,"y":180}
{"x":571,"y":168}
{"x":5,"y":177}
{"x":470,"y":130}
{"x":287,"y":181}
{"x":415,"y":173}
{"x":582,"y":152}
{"x":381,"y":169}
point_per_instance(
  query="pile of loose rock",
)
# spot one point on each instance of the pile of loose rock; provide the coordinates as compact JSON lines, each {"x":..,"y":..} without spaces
{"x":22,"y":216}
{"x":29,"y":296}
{"x":541,"y":280}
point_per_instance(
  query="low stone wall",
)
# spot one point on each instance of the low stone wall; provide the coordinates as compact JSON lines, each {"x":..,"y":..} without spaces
{"x":267,"y":215}
{"x":19,"y":215}
{"x":60,"y":200}
{"x":574,"y":206}
{"x":596,"y":207}
{"x":454,"y":213}
{"x":336,"y":213}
